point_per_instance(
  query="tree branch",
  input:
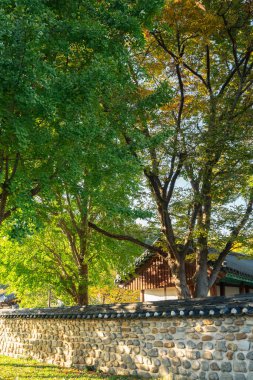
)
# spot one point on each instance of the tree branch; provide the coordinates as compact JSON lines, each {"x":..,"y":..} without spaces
{"x":67,"y":232}
{"x":58,"y":258}
{"x":131,"y":239}
{"x":230,"y":76}
{"x":156,"y":184}
{"x":174,"y":178}
{"x":234,"y":45}
{"x":208,"y":69}
{"x":71,"y":214}
{"x":193,"y":219}
{"x":163,"y":45}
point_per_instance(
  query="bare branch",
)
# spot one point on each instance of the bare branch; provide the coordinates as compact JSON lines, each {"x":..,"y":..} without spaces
{"x":174,"y":178}
{"x":182,"y":98}
{"x":231,"y":75}
{"x":71,"y":239}
{"x":208,"y":69}
{"x":193,"y":219}
{"x":71,"y":214}
{"x":156,"y":184}
{"x":131,"y":239}
{"x":163,"y":45}
{"x":58,"y":258}
{"x":234,"y":45}
{"x":168,"y":179}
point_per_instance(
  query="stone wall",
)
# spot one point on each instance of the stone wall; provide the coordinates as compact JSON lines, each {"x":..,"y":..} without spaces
{"x":210,"y":339}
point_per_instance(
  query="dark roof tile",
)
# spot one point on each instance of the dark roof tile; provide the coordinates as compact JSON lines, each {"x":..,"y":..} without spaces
{"x":241,"y":304}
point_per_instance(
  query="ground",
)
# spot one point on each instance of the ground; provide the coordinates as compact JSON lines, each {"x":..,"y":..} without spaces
{"x":22,"y":369}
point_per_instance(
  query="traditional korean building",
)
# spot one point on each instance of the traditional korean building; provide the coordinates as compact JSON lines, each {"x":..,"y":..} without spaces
{"x":152,"y":277}
{"x":7,"y":300}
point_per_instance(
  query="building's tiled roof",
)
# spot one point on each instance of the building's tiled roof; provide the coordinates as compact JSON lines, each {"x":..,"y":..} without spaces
{"x":6,"y":298}
{"x":240,"y":265}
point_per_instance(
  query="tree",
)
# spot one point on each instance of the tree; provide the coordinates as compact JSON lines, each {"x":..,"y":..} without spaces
{"x":65,"y":257}
{"x":55,"y":249}
{"x":58,"y":61}
{"x":82,"y":256}
{"x":192,"y":134}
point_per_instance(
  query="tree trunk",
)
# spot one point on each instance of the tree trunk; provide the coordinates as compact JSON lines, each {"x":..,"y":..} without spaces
{"x":82,"y":295}
{"x":179,"y":276}
{"x":201,"y":279}
{"x":201,"y":288}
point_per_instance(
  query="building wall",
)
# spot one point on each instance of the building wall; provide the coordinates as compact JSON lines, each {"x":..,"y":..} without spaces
{"x":160,"y":294}
{"x":231,"y":290}
{"x":175,"y":347}
{"x":170,"y":293}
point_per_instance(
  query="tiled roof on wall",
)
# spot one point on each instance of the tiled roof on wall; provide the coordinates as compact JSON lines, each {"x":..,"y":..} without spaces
{"x":197,"y":308}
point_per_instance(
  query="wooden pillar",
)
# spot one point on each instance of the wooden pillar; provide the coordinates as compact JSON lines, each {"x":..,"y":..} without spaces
{"x":191,"y":288}
{"x":242,"y":289}
{"x":222,"y":289}
{"x":213,"y":291}
{"x":142,"y":295}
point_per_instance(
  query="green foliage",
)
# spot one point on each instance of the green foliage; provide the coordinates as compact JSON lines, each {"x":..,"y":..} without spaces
{"x":61,"y":65}
{"x":44,"y":262}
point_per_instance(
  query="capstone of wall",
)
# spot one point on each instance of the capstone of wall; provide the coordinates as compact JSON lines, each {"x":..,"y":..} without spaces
{"x":210,"y":339}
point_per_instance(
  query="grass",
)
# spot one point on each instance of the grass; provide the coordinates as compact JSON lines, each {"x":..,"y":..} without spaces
{"x":22,"y":369}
